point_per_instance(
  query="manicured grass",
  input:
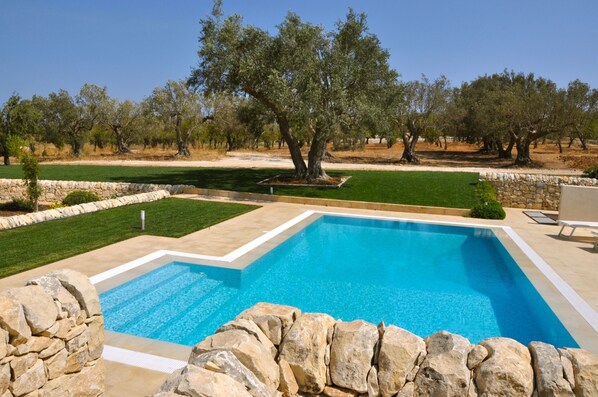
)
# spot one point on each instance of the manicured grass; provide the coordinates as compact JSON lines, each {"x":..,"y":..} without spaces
{"x":442,"y":189}
{"x":31,"y":246}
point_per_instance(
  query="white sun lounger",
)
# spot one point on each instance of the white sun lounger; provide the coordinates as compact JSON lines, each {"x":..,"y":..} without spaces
{"x":578,"y":208}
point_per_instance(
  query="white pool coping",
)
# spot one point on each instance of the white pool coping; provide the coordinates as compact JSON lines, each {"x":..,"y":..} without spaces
{"x":167,"y":365}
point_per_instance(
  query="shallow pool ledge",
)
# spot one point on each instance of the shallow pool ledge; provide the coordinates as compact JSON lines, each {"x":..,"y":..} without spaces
{"x":284,"y":350}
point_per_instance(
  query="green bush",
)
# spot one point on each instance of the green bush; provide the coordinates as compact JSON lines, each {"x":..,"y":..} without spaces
{"x":591,"y":172}
{"x":485,"y":191}
{"x":488,"y":210}
{"x":488,"y":207}
{"x":17,"y":205}
{"x":79,"y":197}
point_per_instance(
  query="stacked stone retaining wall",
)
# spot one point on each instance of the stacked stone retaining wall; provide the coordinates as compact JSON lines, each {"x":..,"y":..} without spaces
{"x":52,"y":338}
{"x":53,"y":191}
{"x":273,"y":350}
{"x":12,"y":222}
{"x":541,"y":192}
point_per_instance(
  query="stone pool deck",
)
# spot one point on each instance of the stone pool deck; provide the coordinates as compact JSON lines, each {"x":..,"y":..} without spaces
{"x":573,"y":260}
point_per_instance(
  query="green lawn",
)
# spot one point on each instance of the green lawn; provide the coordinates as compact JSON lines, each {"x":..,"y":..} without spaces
{"x":442,"y":189}
{"x":31,"y":246}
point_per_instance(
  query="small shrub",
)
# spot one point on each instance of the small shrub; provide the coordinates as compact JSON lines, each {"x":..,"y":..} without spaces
{"x":80,"y":197}
{"x":488,"y":210}
{"x":58,"y":204}
{"x":17,"y":205}
{"x":591,"y":172}
{"x":485,"y":191}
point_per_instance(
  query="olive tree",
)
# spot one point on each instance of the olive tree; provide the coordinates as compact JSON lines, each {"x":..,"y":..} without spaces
{"x":123,"y":120}
{"x":309,"y":79}
{"x":18,"y":118}
{"x":180,"y":109}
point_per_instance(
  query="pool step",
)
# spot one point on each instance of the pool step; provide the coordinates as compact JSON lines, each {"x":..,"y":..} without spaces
{"x":169,"y":310}
{"x":121,"y":295}
{"x":142,"y":304}
{"x":185,"y":328}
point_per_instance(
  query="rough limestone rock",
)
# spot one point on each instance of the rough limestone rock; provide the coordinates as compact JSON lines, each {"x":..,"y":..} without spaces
{"x":251,"y":353}
{"x":12,"y":319}
{"x":87,"y":383}
{"x":548,"y":369}
{"x":407,"y":391}
{"x":288,"y":384}
{"x":304,"y":348}
{"x":81,"y":288}
{"x":274,"y":320}
{"x":373,"y":386}
{"x":31,"y":380}
{"x":444,"y":371}
{"x":54,"y":288}
{"x":351,"y":353}
{"x":227,"y":363}
{"x":332,"y":391}
{"x":39,"y":308}
{"x":199,"y":382}
{"x":567,"y":367}
{"x":585,"y":370}
{"x":4,"y":378}
{"x":476,"y":356}
{"x":251,"y":328}
{"x":20,"y":365}
{"x":56,"y":364}
{"x":95,"y":336}
{"x":507,"y":371}
{"x":400,"y":353}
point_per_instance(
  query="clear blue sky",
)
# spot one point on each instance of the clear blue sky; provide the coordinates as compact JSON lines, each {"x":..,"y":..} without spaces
{"x":132,"y":46}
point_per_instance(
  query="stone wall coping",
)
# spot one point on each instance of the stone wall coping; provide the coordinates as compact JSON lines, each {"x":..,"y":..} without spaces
{"x":15,"y":221}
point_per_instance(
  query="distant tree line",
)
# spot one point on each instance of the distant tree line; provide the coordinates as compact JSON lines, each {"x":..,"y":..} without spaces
{"x":304,"y":87}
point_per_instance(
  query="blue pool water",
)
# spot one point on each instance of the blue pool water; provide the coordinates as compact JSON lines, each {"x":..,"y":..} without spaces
{"x":420,"y":277}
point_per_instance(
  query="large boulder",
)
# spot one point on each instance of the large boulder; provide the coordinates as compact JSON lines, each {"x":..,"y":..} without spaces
{"x":507,"y":371}
{"x":81,"y":288}
{"x":252,"y":329}
{"x":304,"y":348}
{"x":444,"y":371}
{"x":400,"y":353}
{"x":251,"y":353}
{"x":12,"y":319}
{"x":227,"y":363}
{"x":53,"y":287}
{"x":40,"y":310}
{"x":351,"y":353}
{"x":274,"y":320}
{"x":585,"y":370}
{"x":199,"y":382}
{"x":548,"y":370}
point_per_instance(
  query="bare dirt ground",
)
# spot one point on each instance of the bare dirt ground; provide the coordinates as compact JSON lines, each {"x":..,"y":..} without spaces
{"x":458,"y":156}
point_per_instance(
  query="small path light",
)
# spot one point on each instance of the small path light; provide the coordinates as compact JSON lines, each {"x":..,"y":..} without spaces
{"x":271,"y":189}
{"x":142,"y":220}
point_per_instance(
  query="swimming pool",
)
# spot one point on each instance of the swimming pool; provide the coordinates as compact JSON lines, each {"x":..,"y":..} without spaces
{"x":421,"y":277}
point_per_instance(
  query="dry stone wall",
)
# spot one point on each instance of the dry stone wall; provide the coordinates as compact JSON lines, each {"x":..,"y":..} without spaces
{"x":53,"y":191}
{"x":274,"y":350}
{"x":11,"y":222}
{"x":541,"y":192}
{"x":52,"y":338}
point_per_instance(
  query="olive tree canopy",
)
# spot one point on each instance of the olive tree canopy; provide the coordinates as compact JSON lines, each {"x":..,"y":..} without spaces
{"x":322,"y":82}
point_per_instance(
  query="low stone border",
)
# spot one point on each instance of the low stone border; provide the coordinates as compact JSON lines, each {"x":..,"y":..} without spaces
{"x":269,"y":182}
{"x":275,"y":350}
{"x":57,"y":190}
{"x":52,"y":338}
{"x":535,"y":191}
{"x":12,"y":222}
{"x":364,"y":205}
